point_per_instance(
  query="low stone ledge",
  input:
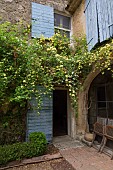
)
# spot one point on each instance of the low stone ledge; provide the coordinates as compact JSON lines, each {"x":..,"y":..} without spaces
{"x":33,"y":160}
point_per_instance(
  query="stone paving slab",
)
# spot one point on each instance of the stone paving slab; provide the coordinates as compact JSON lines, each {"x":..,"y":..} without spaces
{"x":64,"y":142}
{"x":85,"y":158}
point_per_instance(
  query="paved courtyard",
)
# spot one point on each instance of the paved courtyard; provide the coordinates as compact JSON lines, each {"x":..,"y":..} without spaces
{"x":73,"y":155}
{"x":85,"y":158}
{"x":82,"y":157}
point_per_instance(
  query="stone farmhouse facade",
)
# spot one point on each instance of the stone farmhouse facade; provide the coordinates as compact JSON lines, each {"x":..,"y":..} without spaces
{"x":75,"y":17}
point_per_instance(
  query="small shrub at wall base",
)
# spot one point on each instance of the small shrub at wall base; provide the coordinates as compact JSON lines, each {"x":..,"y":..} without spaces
{"x":37,"y":136}
{"x":18,"y":151}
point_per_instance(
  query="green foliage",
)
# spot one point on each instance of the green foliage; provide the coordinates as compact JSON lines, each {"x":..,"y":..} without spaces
{"x":26,"y":63}
{"x":37,"y":136}
{"x":18,"y":151}
{"x":12,"y":126}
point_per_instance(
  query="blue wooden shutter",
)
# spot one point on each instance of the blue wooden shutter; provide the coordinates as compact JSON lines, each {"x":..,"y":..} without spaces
{"x":42,"y":20}
{"x":41,"y":122}
{"x":91,"y":23}
{"x":110,"y":14}
{"x":104,"y":17}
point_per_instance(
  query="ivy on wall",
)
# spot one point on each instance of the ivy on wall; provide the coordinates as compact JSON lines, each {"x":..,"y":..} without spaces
{"x":26,"y":63}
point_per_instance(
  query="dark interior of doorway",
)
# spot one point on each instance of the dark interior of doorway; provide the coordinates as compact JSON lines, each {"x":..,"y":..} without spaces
{"x":59,"y":112}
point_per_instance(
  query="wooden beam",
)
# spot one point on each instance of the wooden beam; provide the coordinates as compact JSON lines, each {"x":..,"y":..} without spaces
{"x":72,"y":5}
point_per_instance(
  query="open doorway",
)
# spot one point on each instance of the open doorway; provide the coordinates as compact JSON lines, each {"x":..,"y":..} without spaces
{"x":59,"y":112}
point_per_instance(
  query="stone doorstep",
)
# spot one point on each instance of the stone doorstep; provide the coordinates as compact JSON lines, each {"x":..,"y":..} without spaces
{"x":39,"y":159}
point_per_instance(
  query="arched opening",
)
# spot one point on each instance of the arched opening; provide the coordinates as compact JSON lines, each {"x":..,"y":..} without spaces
{"x":100,"y":98}
{"x":82,"y":120}
{"x":87,"y":113}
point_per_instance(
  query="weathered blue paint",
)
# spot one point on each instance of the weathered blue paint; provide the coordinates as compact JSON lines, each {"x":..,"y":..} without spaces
{"x":110,"y":17}
{"x":103,"y":19}
{"x":42,"y":20}
{"x":91,"y":23}
{"x":99,"y":21}
{"x":41,"y":122}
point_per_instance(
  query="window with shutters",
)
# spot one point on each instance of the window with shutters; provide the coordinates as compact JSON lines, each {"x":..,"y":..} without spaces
{"x":45,"y":22}
{"x":62,"y":24}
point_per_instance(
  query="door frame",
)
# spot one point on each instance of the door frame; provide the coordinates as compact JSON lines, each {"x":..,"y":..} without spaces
{"x":69,"y":115}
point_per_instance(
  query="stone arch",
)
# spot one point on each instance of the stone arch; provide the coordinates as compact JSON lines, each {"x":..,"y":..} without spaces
{"x":82,"y":121}
{"x":94,"y":83}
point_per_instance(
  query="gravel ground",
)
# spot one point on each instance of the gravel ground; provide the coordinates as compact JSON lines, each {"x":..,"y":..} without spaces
{"x":56,"y":164}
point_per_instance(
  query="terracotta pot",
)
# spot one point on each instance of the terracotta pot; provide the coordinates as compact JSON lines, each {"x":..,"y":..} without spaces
{"x":88,"y":137}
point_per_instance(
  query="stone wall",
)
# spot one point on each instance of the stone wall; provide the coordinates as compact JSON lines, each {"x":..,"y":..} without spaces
{"x":78,"y":20}
{"x":16,"y":10}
